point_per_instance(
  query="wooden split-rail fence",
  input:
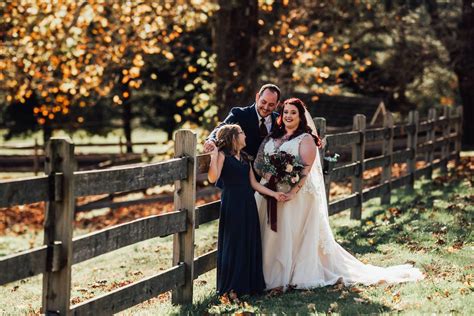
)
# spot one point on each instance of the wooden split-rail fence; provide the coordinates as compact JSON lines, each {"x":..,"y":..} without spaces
{"x":61,"y":184}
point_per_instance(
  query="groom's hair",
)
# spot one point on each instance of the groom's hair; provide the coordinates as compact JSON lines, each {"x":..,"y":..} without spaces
{"x":271,"y":87}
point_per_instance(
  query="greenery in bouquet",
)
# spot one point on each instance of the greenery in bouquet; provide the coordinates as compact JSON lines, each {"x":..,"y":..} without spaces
{"x":283,"y":166}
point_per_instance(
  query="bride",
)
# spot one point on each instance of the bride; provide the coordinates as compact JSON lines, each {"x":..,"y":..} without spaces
{"x":299,"y":249}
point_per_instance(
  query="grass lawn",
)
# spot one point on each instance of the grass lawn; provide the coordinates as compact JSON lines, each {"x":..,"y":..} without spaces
{"x":431,"y":228}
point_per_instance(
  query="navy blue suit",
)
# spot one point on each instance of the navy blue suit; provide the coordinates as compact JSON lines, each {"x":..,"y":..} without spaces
{"x":247,"y":118}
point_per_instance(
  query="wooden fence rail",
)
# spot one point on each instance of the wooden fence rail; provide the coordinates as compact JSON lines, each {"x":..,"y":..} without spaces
{"x":61,"y":185}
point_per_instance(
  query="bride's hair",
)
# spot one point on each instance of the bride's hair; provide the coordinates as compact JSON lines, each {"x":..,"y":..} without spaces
{"x":227,"y":136}
{"x":303,"y":127}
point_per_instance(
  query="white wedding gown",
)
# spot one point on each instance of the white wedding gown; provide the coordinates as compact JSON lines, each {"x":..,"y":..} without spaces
{"x":303,"y":252}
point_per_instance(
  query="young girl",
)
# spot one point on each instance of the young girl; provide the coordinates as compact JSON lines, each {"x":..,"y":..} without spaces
{"x":239,"y":252}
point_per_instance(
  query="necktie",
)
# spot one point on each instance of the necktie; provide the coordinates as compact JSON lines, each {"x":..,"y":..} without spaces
{"x":263,"y":128}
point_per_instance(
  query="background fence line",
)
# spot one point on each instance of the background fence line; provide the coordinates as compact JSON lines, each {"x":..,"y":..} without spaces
{"x":61,"y":185}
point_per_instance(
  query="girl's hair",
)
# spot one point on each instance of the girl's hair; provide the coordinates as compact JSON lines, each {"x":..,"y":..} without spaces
{"x":303,"y":127}
{"x":227,"y":136}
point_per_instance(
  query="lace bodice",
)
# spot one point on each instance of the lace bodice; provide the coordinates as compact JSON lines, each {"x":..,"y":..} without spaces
{"x":291,"y":146}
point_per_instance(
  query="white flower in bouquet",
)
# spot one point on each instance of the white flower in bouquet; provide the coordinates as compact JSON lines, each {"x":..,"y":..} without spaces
{"x":295,"y":179}
{"x":289,"y":168}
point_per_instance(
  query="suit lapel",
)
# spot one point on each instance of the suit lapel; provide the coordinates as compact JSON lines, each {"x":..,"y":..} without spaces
{"x":274,"y":118}
{"x":253,"y":116}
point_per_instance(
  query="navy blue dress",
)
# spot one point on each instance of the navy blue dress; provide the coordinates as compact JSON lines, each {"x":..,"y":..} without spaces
{"x":239,"y":254}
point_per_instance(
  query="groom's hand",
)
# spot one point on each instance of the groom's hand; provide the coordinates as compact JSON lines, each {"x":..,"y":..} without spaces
{"x":209,"y":145}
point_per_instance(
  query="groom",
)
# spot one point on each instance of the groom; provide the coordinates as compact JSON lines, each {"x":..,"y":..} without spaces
{"x":256,"y":120}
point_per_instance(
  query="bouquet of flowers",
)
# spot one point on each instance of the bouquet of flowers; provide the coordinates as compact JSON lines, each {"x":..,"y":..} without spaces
{"x":284,"y":167}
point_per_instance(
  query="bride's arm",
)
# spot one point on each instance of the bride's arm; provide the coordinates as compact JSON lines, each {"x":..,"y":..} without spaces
{"x":307,"y":153}
{"x":257,"y":165}
{"x":279,"y":196}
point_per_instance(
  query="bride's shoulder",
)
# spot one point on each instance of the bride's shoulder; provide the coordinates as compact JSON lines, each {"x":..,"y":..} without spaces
{"x":304,"y":137}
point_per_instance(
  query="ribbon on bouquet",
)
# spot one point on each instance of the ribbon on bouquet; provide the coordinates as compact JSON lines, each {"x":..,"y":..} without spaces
{"x":272,"y":204}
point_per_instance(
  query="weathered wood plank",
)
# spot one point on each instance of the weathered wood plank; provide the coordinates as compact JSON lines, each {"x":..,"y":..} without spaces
{"x":402,"y":130}
{"x":375,"y":162}
{"x":375,"y":134}
{"x":446,"y":130}
{"x":425,"y":126}
{"x":344,"y":171}
{"x":207,"y":212}
{"x":358,"y":155}
{"x":116,"y":237}
{"x":376,"y":191}
{"x":431,"y":135}
{"x":387,"y":151}
{"x":343,"y":139}
{"x":433,"y":145}
{"x":344,"y":204}
{"x":205,"y":263}
{"x":412,"y":140}
{"x":422,"y":172}
{"x":442,"y":120}
{"x":164,"y":197}
{"x":320,"y":124}
{"x":458,"y":132}
{"x":402,"y":155}
{"x":23,"y":265}
{"x":185,"y":199}
{"x":24,"y":191}
{"x":58,"y":227}
{"x":401,"y":181}
{"x":129,"y":178}
{"x":132,"y":294}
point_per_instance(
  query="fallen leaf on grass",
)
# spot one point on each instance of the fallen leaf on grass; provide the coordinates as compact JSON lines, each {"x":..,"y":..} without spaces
{"x":356,"y":290}
{"x":464,"y":291}
{"x":332,"y":308}
{"x":396,"y":297}
{"x":360,"y":300}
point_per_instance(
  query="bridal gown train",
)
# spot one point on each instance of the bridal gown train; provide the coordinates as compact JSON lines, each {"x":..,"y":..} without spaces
{"x":303,"y":252}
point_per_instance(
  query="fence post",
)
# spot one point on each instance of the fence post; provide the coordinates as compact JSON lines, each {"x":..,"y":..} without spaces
{"x":184,"y":200}
{"x":358,"y":151}
{"x":58,"y":226}
{"x":320,"y":123}
{"x":120,"y":145}
{"x":445,"y":148}
{"x":387,"y":152}
{"x":412,"y":142}
{"x":36,"y":158}
{"x":431,"y":135}
{"x":458,"y":128}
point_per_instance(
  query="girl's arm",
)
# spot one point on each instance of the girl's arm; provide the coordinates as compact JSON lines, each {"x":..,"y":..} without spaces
{"x":215,"y":167}
{"x":279,"y":196}
{"x":308,"y":154}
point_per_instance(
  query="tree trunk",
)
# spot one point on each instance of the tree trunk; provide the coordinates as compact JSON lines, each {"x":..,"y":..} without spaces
{"x":464,"y":68}
{"x":47,"y":133}
{"x":461,"y":53}
{"x":235,"y":43}
{"x":127,"y":127}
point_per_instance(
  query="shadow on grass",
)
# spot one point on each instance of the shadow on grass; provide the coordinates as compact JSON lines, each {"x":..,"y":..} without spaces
{"x":399,"y":219}
{"x":329,"y":299}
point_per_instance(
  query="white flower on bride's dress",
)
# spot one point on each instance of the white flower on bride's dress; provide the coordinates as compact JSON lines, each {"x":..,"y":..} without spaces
{"x":295,"y":179}
{"x":289,"y":168}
